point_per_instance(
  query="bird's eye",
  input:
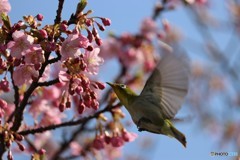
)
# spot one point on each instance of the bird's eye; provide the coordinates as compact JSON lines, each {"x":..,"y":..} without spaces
{"x":123,"y":86}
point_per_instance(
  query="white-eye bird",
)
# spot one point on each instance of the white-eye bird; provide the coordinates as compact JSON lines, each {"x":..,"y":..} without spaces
{"x":161,"y":97}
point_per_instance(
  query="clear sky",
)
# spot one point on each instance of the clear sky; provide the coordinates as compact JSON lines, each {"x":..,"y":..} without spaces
{"x":126,"y":15}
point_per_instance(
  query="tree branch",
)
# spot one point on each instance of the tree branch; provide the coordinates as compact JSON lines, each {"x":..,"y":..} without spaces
{"x":16,"y":95}
{"x":65,"y":144}
{"x":69,"y":123}
{"x":59,"y":12}
{"x":18,"y":114}
{"x":48,"y":83}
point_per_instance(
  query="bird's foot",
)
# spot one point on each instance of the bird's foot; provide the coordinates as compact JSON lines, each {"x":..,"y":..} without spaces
{"x":145,"y":120}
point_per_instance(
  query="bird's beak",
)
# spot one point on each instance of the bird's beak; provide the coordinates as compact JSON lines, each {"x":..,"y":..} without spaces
{"x":110,"y":84}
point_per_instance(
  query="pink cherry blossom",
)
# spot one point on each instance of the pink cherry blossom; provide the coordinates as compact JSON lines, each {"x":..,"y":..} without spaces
{"x":51,"y":93}
{"x":63,"y":76}
{"x":72,"y":44}
{"x":37,"y":107}
{"x":20,"y":44}
{"x":110,"y":48}
{"x":75,"y":148}
{"x":34,"y":55}
{"x":51,"y":116}
{"x":93,"y":61}
{"x":4,"y":7}
{"x":131,"y":56}
{"x":148,"y":28}
{"x":23,"y":74}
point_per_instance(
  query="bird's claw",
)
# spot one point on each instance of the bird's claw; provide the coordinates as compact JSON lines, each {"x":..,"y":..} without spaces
{"x":141,"y":129}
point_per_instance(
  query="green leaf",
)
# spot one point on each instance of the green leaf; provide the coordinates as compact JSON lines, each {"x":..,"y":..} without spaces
{"x":6,"y":21}
{"x":80,"y":7}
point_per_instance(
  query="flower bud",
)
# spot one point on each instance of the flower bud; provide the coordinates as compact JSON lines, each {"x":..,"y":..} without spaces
{"x":10,"y":156}
{"x":39,"y":17}
{"x":21,"y":146}
{"x":106,"y":21}
{"x":81,"y":108}
{"x":88,"y":22}
{"x":98,"y":41}
{"x":43,"y":33}
{"x":98,"y":143}
{"x":61,"y":107}
{"x":42,"y":151}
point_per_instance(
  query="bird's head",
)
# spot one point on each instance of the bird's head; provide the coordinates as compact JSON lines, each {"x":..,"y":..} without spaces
{"x":124,"y":93}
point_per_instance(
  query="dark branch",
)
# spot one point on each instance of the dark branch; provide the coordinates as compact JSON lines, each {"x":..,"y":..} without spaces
{"x":65,"y":144}
{"x":16,"y":95}
{"x":69,"y":123}
{"x":48,"y":83}
{"x":18,"y":114}
{"x":59,"y":12}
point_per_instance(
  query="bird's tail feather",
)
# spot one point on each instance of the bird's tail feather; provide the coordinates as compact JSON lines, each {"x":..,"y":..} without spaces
{"x":179,"y":136}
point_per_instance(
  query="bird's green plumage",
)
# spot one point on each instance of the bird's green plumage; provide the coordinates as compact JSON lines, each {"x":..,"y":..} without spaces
{"x":160,"y":99}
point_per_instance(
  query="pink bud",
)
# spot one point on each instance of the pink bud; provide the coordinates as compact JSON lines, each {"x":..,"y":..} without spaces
{"x":90,"y":48}
{"x":117,"y":141}
{"x":127,"y":136}
{"x":93,"y":94}
{"x":95,"y":104}
{"x":98,"y":41}
{"x":106,"y":21}
{"x":107,"y":139}
{"x":18,"y":137}
{"x":3,"y":104}
{"x":88,"y":22}
{"x":100,"y":85}
{"x":43,"y":33}
{"x":89,"y":36}
{"x":98,"y":143}
{"x":39,"y":17}
{"x":42,"y":151}
{"x":100,"y":27}
{"x":83,"y":65}
{"x":79,"y":90}
{"x":68,"y":104}
{"x":8,"y":143}
{"x":94,"y":32}
{"x":61,"y":107}
{"x":10,"y":156}
{"x":20,"y":146}
{"x":63,"y":27}
{"x":81,"y":108}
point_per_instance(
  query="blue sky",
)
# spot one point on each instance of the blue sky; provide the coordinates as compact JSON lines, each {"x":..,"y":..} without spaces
{"x":126,"y":16}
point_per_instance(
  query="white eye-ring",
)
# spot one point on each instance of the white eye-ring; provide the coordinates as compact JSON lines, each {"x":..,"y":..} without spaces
{"x":123,"y":86}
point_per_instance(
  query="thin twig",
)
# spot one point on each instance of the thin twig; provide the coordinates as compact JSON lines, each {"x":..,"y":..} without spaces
{"x":69,"y":123}
{"x":65,"y":144}
{"x":48,"y":83}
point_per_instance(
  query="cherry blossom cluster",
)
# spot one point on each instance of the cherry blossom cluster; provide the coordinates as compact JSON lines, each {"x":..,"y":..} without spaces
{"x":110,"y":137}
{"x":27,"y":54}
{"x":51,"y":68}
{"x":9,"y":137}
{"x":116,"y":135}
{"x":133,"y":49}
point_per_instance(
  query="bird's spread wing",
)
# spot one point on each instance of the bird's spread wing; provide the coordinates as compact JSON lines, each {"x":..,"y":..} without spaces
{"x":168,"y":84}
